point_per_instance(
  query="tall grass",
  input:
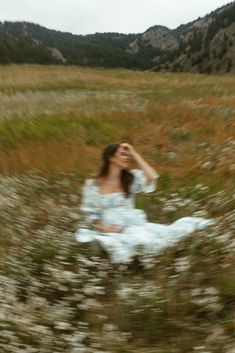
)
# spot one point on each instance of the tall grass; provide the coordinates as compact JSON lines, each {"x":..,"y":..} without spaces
{"x":56,"y":119}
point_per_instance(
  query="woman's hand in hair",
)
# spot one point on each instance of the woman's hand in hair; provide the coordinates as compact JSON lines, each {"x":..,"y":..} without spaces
{"x":127,"y":147}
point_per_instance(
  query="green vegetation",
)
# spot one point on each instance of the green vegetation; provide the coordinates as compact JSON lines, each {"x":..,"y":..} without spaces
{"x":54,"y":123}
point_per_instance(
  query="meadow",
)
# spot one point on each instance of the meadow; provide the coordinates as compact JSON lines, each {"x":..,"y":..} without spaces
{"x":59,"y":296}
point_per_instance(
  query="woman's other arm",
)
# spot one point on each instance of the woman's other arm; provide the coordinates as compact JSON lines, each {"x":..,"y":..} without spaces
{"x":97,"y":224}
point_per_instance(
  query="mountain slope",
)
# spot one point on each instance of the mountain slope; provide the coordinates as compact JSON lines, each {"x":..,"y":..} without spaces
{"x":205,"y":45}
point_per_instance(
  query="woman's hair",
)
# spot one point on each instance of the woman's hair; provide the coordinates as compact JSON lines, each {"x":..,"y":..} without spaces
{"x":126,"y":176}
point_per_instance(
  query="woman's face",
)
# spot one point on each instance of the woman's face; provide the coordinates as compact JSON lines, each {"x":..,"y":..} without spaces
{"x":121,"y":158}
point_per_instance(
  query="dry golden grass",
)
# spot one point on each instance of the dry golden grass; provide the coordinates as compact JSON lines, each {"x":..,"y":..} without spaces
{"x":58,"y":119}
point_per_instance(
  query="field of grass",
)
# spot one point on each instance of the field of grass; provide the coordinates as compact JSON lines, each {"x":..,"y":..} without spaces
{"x":58,"y":119}
{"x":58,"y":296}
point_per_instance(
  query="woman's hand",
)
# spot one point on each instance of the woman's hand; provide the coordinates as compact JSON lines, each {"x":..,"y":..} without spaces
{"x":149,"y":171}
{"x":106,"y":228}
{"x":127,"y":147}
{"x":111,"y":229}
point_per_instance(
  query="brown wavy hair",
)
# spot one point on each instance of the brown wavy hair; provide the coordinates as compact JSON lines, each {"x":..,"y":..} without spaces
{"x":126,"y":176}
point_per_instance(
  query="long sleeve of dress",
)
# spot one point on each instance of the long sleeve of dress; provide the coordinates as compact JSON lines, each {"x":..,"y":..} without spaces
{"x":89,"y":203}
{"x":140,"y":182}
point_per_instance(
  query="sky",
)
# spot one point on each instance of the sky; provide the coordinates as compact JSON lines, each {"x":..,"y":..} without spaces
{"x":122,"y":16}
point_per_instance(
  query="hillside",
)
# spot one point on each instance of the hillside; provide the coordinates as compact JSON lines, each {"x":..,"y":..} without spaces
{"x":206,"y":45}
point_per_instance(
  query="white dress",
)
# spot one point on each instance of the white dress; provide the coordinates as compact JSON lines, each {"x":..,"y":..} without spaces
{"x":114,"y":208}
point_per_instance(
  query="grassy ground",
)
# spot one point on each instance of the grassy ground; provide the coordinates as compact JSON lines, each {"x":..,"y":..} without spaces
{"x":54,"y":122}
{"x":57,"y":119}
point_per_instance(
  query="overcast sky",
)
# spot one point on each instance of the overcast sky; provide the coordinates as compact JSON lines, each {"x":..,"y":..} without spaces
{"x":90,"y":16}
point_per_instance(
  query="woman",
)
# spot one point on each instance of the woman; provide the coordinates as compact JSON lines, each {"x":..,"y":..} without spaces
{"x":108,"y":204}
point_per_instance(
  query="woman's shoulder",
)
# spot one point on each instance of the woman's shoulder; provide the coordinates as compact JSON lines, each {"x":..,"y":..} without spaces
{"x":90,"y":182}
{"x":95,"y":181}
{"x":136,"y":172}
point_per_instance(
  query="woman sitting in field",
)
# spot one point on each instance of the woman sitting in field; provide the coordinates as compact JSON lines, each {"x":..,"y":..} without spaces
{"x":108,"y":203}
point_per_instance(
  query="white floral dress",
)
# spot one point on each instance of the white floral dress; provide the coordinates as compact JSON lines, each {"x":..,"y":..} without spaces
{"x":114,"y":209}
